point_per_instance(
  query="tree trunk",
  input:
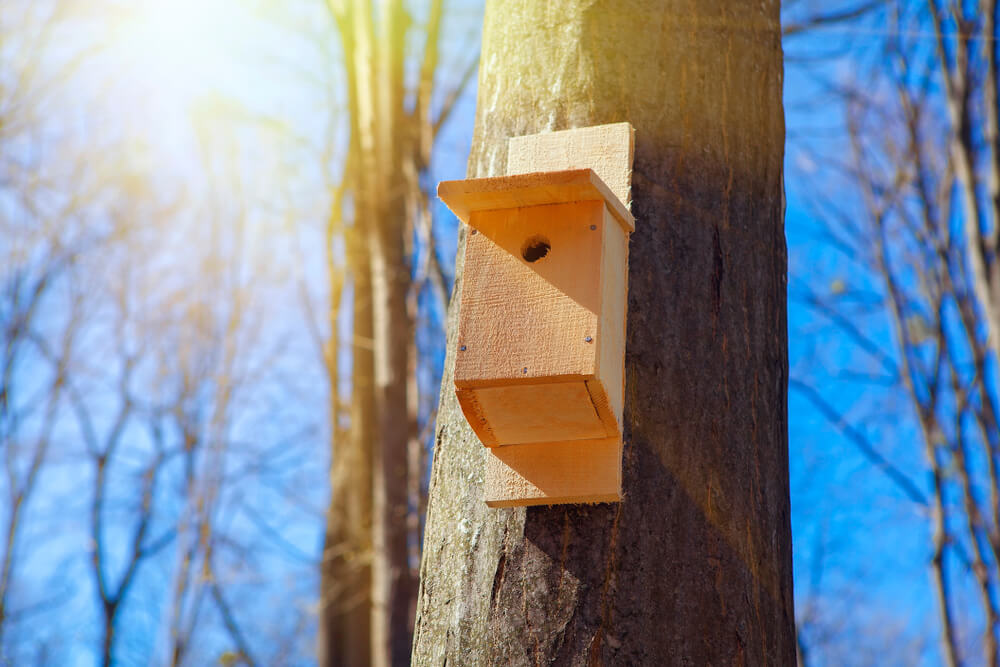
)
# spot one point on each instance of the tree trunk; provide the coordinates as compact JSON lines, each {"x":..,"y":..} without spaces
{"x":393,"y":590}
{"x":383,"y":138}
{"x":694,"y":566}
{"x":346,"y":572}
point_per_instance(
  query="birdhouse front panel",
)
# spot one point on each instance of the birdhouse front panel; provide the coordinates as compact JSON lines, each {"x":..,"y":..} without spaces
{"x":531,"y":294}
{"x":529,"y":331}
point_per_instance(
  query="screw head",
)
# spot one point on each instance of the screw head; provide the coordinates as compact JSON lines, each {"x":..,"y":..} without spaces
{"x":473,"y":232}
{"x":462,"y":349}
{"x":589,"y":339}
{"x":593,"y":227}
{"x":524,"y":371}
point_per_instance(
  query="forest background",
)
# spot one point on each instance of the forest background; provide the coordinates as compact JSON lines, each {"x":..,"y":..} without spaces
{"x":193,"y":223}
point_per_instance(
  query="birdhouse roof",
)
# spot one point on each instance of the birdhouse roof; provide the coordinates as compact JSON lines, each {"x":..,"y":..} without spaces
{"x":538,"y":189}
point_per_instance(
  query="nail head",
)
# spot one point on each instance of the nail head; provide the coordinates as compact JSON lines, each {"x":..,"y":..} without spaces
{"x":588,"y":339}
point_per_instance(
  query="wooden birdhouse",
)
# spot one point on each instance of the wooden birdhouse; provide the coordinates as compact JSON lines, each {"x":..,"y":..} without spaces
{"x":539,"y":369}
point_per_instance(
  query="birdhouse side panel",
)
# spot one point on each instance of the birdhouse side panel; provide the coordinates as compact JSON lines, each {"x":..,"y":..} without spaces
{"x":531,"y":299}
{"x":614,"y":296}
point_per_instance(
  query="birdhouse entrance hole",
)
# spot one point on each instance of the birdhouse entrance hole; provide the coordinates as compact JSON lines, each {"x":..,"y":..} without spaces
{"x":535,"y":248}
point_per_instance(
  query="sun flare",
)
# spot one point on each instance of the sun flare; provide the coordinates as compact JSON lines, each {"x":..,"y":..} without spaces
{"x":183,"y":47}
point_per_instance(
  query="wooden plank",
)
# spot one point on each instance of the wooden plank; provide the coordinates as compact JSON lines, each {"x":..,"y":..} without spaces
{"x":577,"y":471}
{"x":602,"y":407}
{"x":611,"y":328}
{"x":473,"y":412}
{"x":467,"y":196}
{"x":607,"y":149}
{"x":529,"y":321}
{"x":519,"y":414}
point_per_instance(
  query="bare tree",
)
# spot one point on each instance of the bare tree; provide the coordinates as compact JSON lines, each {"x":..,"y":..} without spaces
{"x":135,"y":353}
{"x":912,"y":210}
{"x":50,"y":216}
{"x":171,"y":338}
{"x":368,"y":590}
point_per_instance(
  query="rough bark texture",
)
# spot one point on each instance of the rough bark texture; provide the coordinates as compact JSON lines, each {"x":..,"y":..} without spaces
{"x":694,"y":566}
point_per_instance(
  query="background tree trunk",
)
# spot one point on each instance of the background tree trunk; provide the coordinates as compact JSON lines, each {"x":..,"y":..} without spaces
{"x":346,"y":572}
{"x":346,"y":604}
{"x":694,"y":566}
{"x":383,"y":137}
{"x":393,"y":585}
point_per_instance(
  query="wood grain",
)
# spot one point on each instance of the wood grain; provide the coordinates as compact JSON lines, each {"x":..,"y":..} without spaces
{"x":534,"y":189}
{"x":547,"y":473}
{"x":611,"y":328}
{"x":520,"y":414}
{"x":525,"y":321}
{"x":607,"y":149}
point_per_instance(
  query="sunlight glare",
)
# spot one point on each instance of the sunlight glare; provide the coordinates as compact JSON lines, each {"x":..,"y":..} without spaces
{"x":183,"y":47}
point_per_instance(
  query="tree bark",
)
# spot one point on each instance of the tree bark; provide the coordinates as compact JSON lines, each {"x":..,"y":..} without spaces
{"x":694,"y":566}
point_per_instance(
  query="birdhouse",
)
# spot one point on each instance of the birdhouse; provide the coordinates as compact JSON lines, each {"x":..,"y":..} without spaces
{"x":539,"y":367}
